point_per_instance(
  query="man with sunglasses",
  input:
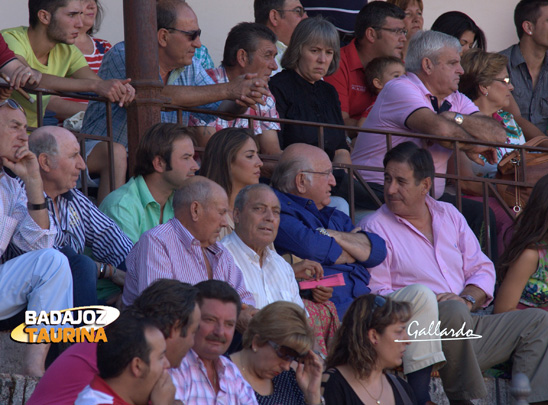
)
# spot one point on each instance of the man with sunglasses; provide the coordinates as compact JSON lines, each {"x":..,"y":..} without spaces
{"x":281,"y":16}
{"x":185,"y":81}
{"x":431,"y":245}
{"x":379,"y":31}
{"x":39,"y":280}
{"x":205,"y":375}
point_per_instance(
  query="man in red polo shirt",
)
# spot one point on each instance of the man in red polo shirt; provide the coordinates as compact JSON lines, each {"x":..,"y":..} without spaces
{"x":379,"y":31}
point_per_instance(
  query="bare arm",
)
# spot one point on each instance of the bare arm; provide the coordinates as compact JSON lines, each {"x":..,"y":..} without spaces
{"x":117,"y":91}
{"x":476,"y":126}
{"x":246,"y":90}
{"x":356,"y":245}
{"x":65,"y":108}
{"x":269,"y":144}
{"x":342,"y":156}
{"x":514,"y":281}
{"x":26,"y":168}
{"x":530,"y":130}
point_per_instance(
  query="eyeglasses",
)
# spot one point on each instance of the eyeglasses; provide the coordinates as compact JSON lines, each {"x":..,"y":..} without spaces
{"x":397,"y":31}
{"x":12,"y":104}
{"x":299,"y":10}
{"x":191,"y":34}
{"x":326,"y":173}
{"x":506,"y":81}
{"x":285,"y":353}
{"x":379,"y":302}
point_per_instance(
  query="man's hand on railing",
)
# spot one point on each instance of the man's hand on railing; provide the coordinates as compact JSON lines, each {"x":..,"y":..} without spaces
{"x":474,"y":151}
{"x":248,"y":90}
{"x":117,"y":91}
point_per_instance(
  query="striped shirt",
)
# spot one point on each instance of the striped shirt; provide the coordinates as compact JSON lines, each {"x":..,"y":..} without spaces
{"x":267,"y":111}
{"x":81,"y":225}
{"x":94,"y":59}
{"x":193,"y":386}
{"x":271,"y":282}
{"x":170,"y":251}
{"x":16,"y":225}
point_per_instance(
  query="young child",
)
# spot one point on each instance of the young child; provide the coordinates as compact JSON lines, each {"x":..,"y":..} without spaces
{"x":379,"y":72}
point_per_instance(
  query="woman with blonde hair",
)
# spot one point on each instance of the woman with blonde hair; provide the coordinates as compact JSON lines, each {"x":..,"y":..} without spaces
{"x":277,"y":338}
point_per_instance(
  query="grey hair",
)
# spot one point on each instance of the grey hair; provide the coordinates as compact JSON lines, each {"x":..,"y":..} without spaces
{"x":43,"y":141}
{"x":283,"y":178}
{"x":428,"y":44}
{"x":243,"y":195}
{"x":312,"y":31}
{"x":197,"y":188}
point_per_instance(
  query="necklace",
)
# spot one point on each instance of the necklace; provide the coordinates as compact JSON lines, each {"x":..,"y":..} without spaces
{"x":377,"y":400}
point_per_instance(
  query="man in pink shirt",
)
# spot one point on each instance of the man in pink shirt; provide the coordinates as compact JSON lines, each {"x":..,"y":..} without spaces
{"x":429,"y":243}
{"x":426,"y":101}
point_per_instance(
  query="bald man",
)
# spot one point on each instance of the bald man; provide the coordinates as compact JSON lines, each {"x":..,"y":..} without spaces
{"x":79,"y":221}
{"x":310,"y":229}
{"x":185,"y":248}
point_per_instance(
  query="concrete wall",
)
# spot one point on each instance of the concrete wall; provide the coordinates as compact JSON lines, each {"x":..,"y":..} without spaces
{"x":216,"y":17}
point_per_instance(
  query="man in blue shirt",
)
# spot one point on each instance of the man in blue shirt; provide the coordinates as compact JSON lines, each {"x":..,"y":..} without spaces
{"x":185,"y":81}
{"x":311,"y":230}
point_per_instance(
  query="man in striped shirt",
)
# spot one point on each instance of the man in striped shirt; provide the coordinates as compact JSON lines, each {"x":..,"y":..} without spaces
{"x":185,"y":247}
{"x":80,"y":223}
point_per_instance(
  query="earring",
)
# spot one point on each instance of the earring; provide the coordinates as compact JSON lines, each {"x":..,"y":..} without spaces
{"x":486,"y":94}
{"x":254,"y":350}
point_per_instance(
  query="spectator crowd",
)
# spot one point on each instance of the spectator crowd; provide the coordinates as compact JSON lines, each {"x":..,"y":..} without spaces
{"x":243,"y":281}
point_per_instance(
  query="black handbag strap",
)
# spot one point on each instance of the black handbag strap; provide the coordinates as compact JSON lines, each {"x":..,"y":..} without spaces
{"x":403,"y":394}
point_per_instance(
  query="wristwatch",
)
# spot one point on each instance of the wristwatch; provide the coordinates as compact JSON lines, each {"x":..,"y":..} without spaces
{"x":458,"y":118}
{"x":470,"y":299}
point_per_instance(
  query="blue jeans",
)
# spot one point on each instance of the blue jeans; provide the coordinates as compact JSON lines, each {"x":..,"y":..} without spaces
{"x":84,"y":277}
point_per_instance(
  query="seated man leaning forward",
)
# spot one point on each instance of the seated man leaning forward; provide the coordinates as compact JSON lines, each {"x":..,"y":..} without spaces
{"x":83,"y":225}
{"x":311,"y":230}
{"x":205,"y":375}
{"x":170,"y":303}
{"x":132,"y":365}
{"x":267,"y":275}
{"x":165,"y":158}
{"x":429,"y":243}
{"x":185,"y":81}
{"x":185,"y":247}
{"x":39,"y":280}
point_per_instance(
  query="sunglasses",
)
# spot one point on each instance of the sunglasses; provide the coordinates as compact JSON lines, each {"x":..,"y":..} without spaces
{"x":191,"y":34}
{"x":12,"y":104}
{"x":506,"y":80}
{"x":285,"y":353}
{"x":299,"y":10}
{"x":378,"y":303}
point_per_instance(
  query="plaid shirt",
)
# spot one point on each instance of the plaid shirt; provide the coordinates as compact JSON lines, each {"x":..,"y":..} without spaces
{"x":114,"y":67}
{"x":268,"y":111}
{"x":193,"y":385}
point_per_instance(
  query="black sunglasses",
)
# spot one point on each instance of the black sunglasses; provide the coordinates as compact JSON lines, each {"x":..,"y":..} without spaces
{"x":191,"y":34}
{"x":285,"y":353}
{"x":379,"y":302}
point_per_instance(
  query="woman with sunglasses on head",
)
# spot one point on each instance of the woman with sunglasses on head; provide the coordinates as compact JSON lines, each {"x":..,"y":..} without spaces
{"x":486,"y":82}
{"x":277,"y":338}
{"x":365,"y":346}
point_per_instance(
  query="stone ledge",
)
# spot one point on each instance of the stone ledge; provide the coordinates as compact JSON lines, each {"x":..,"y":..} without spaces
{"x":16,"y":389}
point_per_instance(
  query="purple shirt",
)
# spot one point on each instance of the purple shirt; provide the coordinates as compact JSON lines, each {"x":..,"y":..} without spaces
{"x":452,"y":262}
{"x":399,"y":99}
{"x":170,"y":251}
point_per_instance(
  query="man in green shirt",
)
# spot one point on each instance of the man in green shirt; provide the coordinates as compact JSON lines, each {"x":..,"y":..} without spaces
{"x":165,"y":158}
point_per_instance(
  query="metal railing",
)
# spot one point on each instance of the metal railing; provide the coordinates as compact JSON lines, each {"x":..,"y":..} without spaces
{"x":488,"y":185}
